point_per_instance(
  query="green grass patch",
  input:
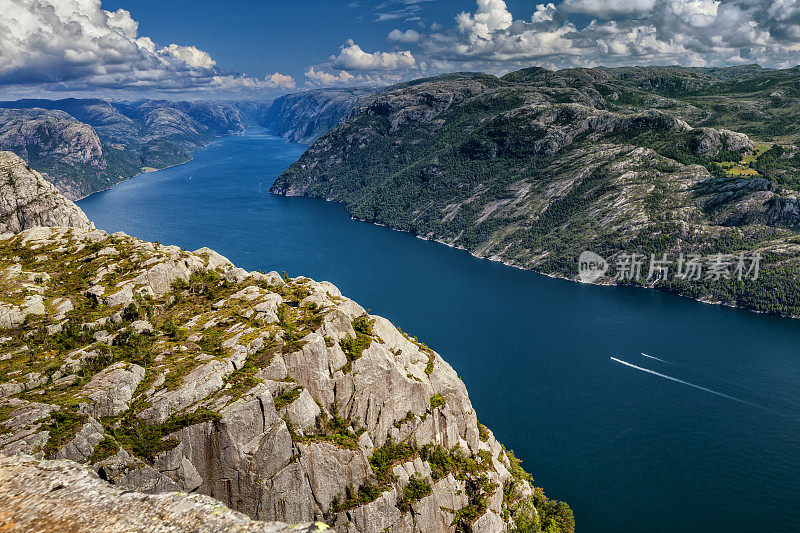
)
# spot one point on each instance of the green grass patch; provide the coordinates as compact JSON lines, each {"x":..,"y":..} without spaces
{"x":146,"y":440}
{"x":388,"y":455}
{"x":62,"y":427}
{"x":105,"y":449}
{"x":483,"y":432}
{"x":287,"y":397}
{"x":437,"y":400}
{"x":416,"y":489}
{"x":352,"y":347}
{"x":333,"y":429}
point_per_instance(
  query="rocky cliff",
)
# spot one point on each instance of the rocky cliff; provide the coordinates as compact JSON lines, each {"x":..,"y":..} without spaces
{"x":31,"y":132}
{"x":37,"y":495}
{"x":538,"y":166}
{"x":165,"y":370}
{"x":304,"y":117}
{"x":67,"y":151}
{"x":27,"y":200}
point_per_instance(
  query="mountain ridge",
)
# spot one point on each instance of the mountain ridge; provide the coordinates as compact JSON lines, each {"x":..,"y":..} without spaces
{"x":304,"y":117}
{"x":538,"y":166}
{"x":88,"y":145}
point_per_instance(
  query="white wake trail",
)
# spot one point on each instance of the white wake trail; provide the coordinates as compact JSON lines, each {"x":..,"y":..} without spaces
{"x":694,"y":368}
{"x":657,"y":359}
{"x":683,"y":382}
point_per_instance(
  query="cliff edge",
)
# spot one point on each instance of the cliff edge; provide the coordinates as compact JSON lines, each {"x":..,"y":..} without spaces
{"x":38,"y":495}
{"x":28,"y":200}
{"x":165,"y":370}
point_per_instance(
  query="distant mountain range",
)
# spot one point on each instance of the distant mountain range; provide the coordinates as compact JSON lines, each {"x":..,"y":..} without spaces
{"x":304,"y":117}
{"x":531,"y":168}
{"x":84,"y":146}
{"x":88,"y":145}
{"x":538,"y":166}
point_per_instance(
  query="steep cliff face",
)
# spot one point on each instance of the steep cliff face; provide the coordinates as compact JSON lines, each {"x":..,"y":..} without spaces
{"x":165,"y":370}
{"x":37,"y":132}
{"x":304,"y":117}
{"x":27,"y":200}
{"x":63,"y":496}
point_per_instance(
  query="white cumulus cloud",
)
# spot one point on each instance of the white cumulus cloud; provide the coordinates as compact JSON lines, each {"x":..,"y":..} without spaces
{"x":317,"y":77}
{"x":608,"y":8}
{"x":354,"y":58}
{"x":408,"y":36}
{"x":282,"y":80}
{"x":77,"y":45}
{"x":231,"y":82}
{"x":688,"y":32}
{"x":491,"y":16}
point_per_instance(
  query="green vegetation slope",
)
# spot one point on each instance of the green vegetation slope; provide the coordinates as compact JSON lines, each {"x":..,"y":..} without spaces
{"x":537,"y":166}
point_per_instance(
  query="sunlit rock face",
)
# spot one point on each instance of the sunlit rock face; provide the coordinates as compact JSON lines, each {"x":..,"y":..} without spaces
{"x":27,"y":200}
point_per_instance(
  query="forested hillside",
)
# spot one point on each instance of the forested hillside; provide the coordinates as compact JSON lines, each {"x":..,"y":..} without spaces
{"x":537,"y":166}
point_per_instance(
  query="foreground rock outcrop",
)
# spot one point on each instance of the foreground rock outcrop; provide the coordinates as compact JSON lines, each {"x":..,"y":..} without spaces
{"x":63,"y":496}
{"x":165,"y":370}
{"x":28,"y":200}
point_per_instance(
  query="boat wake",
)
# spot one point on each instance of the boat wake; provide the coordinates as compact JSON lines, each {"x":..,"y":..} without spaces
{"x":663,"y":361}
{"x":694,"y":368}
{"x":676,"y":380}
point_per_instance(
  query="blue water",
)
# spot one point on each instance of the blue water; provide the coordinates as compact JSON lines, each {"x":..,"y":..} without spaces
{"x":628,"y":449}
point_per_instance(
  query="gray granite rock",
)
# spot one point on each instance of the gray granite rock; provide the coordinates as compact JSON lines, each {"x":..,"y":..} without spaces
{"x":109,"y":392}
{"x":28,"y":200}
{"x":40,"y":495}
{"x":200,"y":411}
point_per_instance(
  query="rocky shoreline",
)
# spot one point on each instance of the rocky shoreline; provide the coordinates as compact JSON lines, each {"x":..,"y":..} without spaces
{"x":603,"y":283}
{"x":536,"y":167}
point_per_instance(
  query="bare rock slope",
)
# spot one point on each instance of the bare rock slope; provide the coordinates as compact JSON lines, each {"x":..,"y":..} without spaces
{"x":37,"y":495}
{"x":27,"y":200}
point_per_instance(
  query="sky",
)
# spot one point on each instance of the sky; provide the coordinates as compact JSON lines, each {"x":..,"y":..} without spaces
{"x":259,"y":49}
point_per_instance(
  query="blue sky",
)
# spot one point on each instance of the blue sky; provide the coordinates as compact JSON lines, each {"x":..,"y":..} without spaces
{"x":249,"y":48}
{"x":272,"y":35}
{"x":276,"y":36}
